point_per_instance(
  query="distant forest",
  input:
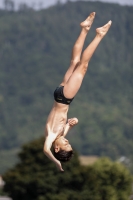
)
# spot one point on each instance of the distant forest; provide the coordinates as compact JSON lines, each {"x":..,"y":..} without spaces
{"x":35,"y":49}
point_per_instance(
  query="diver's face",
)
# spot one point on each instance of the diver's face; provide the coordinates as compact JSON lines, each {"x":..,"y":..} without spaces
{"x":62,"y":144}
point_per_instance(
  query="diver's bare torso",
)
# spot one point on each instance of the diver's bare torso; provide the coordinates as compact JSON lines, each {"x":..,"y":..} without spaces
{"x":57,"y":119}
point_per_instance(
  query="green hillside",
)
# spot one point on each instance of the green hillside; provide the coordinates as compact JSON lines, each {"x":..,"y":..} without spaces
{"x":35,"y":48}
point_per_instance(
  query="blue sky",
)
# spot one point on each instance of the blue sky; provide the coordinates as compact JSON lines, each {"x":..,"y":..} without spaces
{"x":46,"y":3}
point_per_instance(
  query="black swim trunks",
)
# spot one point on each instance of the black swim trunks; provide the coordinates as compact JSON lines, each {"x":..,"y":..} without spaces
{"x":59,"y":96}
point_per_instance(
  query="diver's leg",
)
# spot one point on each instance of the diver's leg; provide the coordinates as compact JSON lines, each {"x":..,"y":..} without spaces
{"x":73,"y":84}
{"x":78,"y":46}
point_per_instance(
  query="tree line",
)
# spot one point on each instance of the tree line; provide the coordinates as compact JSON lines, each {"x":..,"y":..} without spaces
{"x":36,"y":178}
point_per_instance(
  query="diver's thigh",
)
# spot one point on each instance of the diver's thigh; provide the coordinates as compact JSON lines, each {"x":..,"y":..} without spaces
{"x":73,"y":84}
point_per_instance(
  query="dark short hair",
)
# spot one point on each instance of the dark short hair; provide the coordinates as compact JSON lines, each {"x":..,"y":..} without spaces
{"x":63,"y":155}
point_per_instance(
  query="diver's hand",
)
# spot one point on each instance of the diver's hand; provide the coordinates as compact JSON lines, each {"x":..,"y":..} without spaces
{"x":73,"y":121}
{"x":59,"y":166}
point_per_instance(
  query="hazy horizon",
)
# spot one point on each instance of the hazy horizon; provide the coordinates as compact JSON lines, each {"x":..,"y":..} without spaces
{"x":44,"y":3}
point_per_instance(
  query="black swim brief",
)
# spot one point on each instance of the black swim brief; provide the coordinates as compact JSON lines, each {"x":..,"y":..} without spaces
{"x":59,"y":96}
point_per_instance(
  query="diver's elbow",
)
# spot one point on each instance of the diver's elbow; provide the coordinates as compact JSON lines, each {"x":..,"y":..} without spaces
{"x":45,"y":150}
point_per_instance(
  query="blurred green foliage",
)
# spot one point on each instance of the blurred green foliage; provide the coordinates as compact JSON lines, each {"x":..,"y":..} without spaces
{"x":35,"y":177}
{"x":35,"y":48}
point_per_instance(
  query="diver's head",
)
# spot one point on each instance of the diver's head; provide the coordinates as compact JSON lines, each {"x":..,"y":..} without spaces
{"x":62,"y":149}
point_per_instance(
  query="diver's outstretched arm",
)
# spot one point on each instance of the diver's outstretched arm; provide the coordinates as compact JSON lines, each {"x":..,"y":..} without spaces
{"x":47,"y":150}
